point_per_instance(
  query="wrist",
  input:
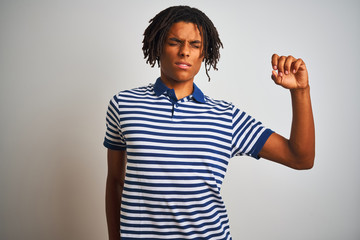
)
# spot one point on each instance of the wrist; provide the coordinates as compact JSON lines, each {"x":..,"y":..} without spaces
{"x":300,"y":90}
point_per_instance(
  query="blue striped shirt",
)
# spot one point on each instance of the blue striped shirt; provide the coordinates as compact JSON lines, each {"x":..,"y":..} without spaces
{"x":177,"y":156}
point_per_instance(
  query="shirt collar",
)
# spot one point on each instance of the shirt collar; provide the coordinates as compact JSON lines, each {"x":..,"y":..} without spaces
{"x":161,"y":88}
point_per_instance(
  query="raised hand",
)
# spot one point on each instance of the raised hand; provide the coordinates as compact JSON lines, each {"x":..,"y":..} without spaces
{"x":289,"y":72}
{"x":298,"y":151}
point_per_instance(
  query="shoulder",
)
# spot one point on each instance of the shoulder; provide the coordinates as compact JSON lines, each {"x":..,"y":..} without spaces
{"x":219,"y":104}
{"x":134,"y":93}
{"x":226,"y":107}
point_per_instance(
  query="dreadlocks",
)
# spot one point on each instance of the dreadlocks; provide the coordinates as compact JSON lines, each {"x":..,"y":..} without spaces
{"x":156,"y":33}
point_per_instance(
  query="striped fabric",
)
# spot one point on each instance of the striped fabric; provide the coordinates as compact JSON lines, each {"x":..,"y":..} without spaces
{"x":177,"y":155}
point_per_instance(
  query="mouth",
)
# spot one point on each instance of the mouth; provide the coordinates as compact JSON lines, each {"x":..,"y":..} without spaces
{"x":183,"y":65}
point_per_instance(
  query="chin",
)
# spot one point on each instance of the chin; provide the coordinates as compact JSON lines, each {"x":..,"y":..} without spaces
{"x":178,"y":76}
{"x":183,"y":77}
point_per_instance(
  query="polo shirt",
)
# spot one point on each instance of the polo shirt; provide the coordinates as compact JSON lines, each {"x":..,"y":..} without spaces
{"x":177,"y":156}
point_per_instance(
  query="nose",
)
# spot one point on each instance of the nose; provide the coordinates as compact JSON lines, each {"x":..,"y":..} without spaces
{"x":184,"y":50}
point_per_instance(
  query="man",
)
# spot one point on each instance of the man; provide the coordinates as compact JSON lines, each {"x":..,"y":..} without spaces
{"x":175,"y":142}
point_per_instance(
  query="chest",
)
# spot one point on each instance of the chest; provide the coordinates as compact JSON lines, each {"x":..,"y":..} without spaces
{"x":180,"y":123}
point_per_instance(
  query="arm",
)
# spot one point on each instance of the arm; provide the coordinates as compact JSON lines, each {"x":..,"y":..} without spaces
{"x":298,"y":151}
{"x":114,"y":186}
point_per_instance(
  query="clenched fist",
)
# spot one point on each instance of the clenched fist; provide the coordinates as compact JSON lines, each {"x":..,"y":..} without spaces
{"x":289,"y":72}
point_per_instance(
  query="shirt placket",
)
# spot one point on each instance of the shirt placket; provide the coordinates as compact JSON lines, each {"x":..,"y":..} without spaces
{"x":172,"y":98}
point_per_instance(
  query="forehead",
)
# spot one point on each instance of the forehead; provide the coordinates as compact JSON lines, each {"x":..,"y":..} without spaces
{"x":185,"y":30}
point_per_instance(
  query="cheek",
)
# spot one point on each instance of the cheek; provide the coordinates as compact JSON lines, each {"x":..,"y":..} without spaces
{"x":166,"y":56}
{"x":164,"y":60}
{"x":199,"y":62}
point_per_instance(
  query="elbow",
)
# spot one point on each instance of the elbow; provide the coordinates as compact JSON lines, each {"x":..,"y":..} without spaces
{"x":307,"y":166}
{"x":304,"y":162}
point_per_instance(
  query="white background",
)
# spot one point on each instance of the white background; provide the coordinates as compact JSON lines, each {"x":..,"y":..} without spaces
{"x":61,"y":62}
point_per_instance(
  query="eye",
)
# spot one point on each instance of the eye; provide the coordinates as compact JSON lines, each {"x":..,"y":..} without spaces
{"x":172,"y":43}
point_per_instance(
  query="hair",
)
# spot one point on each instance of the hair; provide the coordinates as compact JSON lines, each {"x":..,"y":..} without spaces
{"x":155,"y":34}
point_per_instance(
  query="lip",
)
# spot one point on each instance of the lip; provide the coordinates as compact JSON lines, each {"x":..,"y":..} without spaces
{"x":183,"y":65}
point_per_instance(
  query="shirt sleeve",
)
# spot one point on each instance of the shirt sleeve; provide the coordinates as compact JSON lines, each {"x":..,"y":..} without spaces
{"x":249,"y":135}
{"x":114,"y":138}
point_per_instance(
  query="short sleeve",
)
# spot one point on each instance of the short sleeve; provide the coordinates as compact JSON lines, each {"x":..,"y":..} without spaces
{"x":114,"y":138}
{"x":248,"y":135}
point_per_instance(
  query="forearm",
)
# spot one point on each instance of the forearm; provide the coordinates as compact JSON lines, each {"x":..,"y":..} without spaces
{"x":302,"y":137}
{"x":113,"y":203}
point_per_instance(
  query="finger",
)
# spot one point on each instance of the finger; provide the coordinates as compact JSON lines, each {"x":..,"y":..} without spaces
{"x":296,"y":65}
{"x":287,"y":65}
{"x":280,"y":66}
{"x":276,"y":77}
{"x":274,"y":61}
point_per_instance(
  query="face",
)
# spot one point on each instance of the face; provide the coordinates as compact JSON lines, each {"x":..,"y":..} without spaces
{"x":181,"y":57}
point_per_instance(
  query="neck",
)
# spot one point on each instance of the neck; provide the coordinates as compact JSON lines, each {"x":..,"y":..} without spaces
{"x":182,"y":88}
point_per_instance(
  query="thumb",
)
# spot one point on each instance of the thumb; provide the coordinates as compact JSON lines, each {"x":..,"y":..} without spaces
{"x":276,"y":77}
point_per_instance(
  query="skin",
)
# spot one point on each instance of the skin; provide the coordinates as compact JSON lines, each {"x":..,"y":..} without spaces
{"x":184,"y":45}
{"x":181,"y":58}
{"x":297,"y":152}
{"x":114,"y":186}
